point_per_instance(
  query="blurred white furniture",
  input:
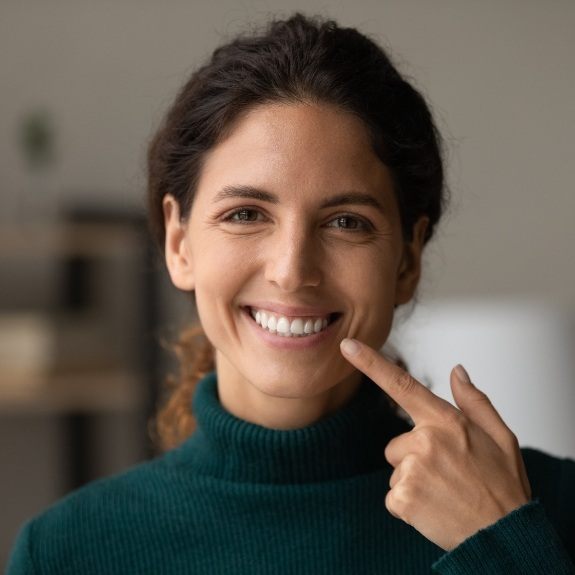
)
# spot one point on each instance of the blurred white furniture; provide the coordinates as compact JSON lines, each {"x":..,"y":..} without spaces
{"x":521,"y":353}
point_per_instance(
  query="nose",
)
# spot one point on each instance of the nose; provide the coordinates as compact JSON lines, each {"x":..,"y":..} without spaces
{"x":294,"y":260}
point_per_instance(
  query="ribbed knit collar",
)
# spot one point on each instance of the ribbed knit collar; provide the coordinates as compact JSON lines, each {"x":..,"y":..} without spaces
{"x":347,"y":442}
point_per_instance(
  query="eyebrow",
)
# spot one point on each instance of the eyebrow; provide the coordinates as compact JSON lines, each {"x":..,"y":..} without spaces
{"x":248,"y":192}
{"x":345,"y":198}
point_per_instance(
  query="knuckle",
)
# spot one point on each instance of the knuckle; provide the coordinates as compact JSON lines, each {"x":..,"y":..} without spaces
{"x":390,"y":502}
{"x":481,"y":397}
{"x":400,"y":501}
{"x":404,"y":383}
{"x":409,"y":466}
{"x":426,"y":441}
{"x":393,"y":449}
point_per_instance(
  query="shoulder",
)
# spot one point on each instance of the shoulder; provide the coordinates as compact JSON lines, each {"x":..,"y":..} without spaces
{"x":94,"y":524}
{"x":105,"y":504}
{"x":103,"y":499}
{"x":552,"y":481}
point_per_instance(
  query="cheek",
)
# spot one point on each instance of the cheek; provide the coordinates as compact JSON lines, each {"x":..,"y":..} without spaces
{"x":371,"y":286}
{"x":370,"y":272}
{"x":222,"y":272}
{"x":222,"y":264}
{"x":215,"y":317}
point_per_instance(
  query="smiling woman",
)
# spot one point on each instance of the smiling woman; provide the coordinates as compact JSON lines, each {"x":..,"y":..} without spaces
{"x":293,"y":186}
{"x":310,"y":138}
{"x":317,"y":252}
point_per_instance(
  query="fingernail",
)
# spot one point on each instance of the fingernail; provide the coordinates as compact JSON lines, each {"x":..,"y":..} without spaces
{"x":349,"y":346}
{"x":462,"y":374}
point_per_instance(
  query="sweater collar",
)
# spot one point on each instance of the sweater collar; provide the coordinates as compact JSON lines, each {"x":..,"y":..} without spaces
{"x":347,"y":442}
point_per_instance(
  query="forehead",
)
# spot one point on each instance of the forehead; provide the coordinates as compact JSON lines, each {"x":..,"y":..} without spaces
{"x":308,"y":149}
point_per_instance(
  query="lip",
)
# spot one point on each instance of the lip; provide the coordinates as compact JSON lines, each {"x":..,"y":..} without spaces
{"x":289,"y":310}
{"x":288,"y":343}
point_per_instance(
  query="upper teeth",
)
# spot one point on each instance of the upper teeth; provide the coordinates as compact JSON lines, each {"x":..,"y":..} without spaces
{"x":299,"y":326}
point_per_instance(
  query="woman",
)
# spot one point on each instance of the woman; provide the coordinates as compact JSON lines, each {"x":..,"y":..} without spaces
{"x":293,"y":186}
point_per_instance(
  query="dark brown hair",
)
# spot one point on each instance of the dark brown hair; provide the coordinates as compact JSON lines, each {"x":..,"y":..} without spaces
{"x":300,"y":59}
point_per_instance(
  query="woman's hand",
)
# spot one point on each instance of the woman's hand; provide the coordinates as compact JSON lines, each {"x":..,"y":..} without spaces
{"x":458,"y":470}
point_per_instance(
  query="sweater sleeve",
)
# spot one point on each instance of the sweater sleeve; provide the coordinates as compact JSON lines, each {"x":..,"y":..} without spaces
{"x":524,"y":542}
{"x":20,"y":562}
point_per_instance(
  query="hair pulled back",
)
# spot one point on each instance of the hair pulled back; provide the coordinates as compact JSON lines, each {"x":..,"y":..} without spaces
{"x":300,"y":59}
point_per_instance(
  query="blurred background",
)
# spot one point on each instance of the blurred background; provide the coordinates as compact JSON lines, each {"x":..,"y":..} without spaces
{"x":84,"y":303}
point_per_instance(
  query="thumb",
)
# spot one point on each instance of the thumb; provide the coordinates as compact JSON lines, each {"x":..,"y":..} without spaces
{"x":479,"y":409}
{"x":476,"y":405}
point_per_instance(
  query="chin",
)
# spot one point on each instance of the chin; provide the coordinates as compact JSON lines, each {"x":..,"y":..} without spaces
{"x":298,"y":381}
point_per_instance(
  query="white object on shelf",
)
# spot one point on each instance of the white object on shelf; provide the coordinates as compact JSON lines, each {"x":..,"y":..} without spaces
{"x":26,"y":348}
{"x":520,"y":353}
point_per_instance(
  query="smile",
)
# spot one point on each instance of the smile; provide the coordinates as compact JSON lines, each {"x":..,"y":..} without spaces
{"x":291,"y":326}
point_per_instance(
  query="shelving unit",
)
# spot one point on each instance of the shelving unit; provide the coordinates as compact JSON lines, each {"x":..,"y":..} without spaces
{"x":89,"y":239}
{"x":85,"y":393}
{"x":77,"y":395}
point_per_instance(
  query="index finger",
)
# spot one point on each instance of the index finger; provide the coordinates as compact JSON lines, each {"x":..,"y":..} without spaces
{"x":411,"y":395}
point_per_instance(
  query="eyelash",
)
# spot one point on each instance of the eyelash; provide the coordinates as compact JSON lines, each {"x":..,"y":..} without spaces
{"x":230,"y":216}
{"x":364,"y":225}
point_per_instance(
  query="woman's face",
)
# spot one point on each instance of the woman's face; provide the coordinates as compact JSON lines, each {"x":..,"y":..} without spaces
{"x":294,"y":219}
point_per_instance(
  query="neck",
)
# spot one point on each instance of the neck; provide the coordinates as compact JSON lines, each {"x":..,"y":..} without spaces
{"x":348,"y":442}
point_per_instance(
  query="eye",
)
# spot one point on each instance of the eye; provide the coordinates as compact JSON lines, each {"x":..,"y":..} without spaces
{"x":244,"y":216}
{"x":351,"y":223}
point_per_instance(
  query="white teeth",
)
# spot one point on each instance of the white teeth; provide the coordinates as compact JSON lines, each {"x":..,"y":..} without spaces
{"x":283,"y":326}
{"x":298,"y":327}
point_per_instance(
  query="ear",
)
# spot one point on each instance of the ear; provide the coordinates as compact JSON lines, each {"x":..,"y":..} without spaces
{"x":177,"y":252}
{"x":410,"y":268}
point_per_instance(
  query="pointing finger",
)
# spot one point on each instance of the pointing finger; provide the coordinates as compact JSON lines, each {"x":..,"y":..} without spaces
{"x":418,"y":401}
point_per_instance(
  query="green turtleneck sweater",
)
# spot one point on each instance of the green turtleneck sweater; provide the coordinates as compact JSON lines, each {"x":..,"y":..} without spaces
{"x":239,"y":498}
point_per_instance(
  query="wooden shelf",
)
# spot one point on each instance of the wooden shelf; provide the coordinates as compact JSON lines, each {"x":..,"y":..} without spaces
{"x":69,"y":239}
{"x":91,"y":393}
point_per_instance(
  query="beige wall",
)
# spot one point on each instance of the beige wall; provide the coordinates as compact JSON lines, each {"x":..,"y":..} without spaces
{"x":500,"y":76}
